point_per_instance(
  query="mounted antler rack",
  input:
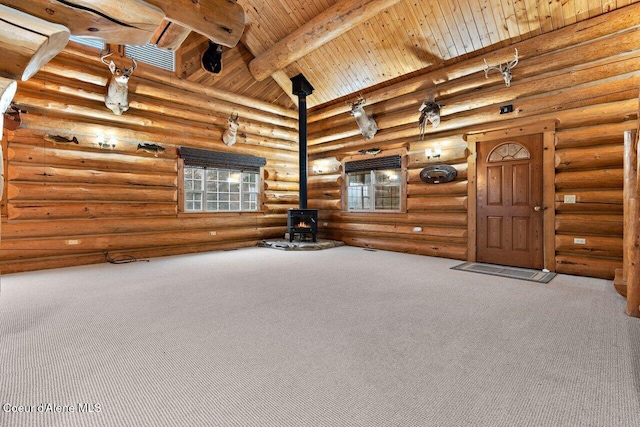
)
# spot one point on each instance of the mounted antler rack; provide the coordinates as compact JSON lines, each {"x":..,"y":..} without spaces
{"x":506,"y":71}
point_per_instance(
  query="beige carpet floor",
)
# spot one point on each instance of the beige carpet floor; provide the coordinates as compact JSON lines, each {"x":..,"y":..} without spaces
{"x":340,"y":337}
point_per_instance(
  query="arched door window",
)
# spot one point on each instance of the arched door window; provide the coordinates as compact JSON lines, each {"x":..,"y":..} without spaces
{"x":508,"y":151}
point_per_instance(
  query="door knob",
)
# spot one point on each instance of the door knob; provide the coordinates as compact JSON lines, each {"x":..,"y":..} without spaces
{"x":537,"y":208}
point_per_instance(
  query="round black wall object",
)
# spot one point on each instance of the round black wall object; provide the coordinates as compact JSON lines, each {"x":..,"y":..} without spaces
{"x":438,"y":174}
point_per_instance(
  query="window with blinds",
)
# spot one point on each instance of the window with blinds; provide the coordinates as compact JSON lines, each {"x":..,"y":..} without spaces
{"x":374,"y":184}
{"x":216,"y":181}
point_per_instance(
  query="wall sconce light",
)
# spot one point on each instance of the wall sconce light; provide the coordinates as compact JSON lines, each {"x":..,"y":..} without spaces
{"x":317,"y":169}
{"x":436,"y":153}
{"x":111,"y":144}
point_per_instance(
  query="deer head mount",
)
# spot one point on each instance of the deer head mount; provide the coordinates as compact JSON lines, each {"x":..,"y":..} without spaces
{"x":368,"y":126}
{"x":229,"y":135}
{"x":429,"y":113}
{"x":506,"y":71}
{"x":117,"y":99}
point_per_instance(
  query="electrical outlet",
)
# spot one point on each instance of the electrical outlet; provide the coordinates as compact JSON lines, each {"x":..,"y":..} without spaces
{"x":578,"y":241}
{"x":325,"y":224}
{"x":72,"y":242}
{"x":569,"y":198}
{"x":417,"y":229}
{"x":506,"y":109}
{"x":213,"y":233}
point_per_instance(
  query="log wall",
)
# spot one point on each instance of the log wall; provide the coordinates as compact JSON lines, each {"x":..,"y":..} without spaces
{"x":70,"y":204}
{"x":585,"y":80}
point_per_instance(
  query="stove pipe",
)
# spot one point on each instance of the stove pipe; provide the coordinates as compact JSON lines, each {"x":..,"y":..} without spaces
{"x":301,"y":87}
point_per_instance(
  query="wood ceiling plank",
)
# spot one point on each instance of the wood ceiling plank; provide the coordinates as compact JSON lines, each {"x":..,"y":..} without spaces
{"x":436,"y":17}
{"x":557,"y":17}
{"x":424,"y":43}
{"x":460,"y":42}
{"x":357,"y":45}
{"x":481,"y":9}
{"x":494,"y":8}
{"x":544,"y":14}
{"x":394,"y":25}
{"x":383,"y":52}
{"x":595,"y":8}
{"x":474,"y":25}
{"x":533,"y":17}
{"x":320,"y":30}
{"x":467,"y":26}
{"x":394,"y":58}
{"x":510,"y":19}
{"x":582,"y":10}
{"x":608,"y":5}
{"x":522,"y":19}
{"x":430,"y":27}
{"x":569,"y":13}
{"x":351,"y":74}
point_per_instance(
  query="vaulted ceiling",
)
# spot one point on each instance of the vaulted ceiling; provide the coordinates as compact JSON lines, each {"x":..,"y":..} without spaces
{"x":406,"y":38}
{"x":343,"y":47}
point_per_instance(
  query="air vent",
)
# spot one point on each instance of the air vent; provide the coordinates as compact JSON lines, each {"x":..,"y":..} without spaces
{"x":153,"y":55}
{"x":88,"y":42}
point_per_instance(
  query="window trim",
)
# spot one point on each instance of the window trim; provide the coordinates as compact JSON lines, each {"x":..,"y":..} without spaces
{"x":404,"y":183}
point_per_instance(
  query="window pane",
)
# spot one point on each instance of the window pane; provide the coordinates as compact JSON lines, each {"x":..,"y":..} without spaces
{"x":193,"y":185}
{"x":386,"y":177}
{"x":387,"y":197}
{"x":374,"y":190}
{"x":223,"y":187}
{"x":220,"y":189}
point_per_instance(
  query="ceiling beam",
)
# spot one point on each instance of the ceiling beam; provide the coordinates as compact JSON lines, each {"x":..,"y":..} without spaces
{"x":170,"y":35}
{"x":221,"y":21}
{"x":331,"y":23}
{"x":122,"y":22}
{"x":27,"y":43}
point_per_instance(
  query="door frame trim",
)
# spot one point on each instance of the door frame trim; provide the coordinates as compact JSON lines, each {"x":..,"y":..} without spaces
{"x":548,"y":131}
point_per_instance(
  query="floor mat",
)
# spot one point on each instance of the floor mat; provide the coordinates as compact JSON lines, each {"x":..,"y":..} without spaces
{"x":504,"y":271}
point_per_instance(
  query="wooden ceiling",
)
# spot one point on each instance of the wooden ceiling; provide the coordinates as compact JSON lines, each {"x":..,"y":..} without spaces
{"x":409,"y":37}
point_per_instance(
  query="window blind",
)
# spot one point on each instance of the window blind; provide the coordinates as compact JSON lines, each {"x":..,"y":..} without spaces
{"x":220,"y":159}
{"x":374,"y":163}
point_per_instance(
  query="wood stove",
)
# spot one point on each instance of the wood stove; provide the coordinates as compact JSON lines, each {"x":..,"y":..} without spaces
{"x":302,"y":222}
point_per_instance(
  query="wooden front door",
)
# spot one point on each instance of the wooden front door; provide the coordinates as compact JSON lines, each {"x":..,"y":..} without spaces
{"x":509,"y":202}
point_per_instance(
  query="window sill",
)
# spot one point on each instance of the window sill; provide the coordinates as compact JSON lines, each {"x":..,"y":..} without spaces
{"x":225,"y":213}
